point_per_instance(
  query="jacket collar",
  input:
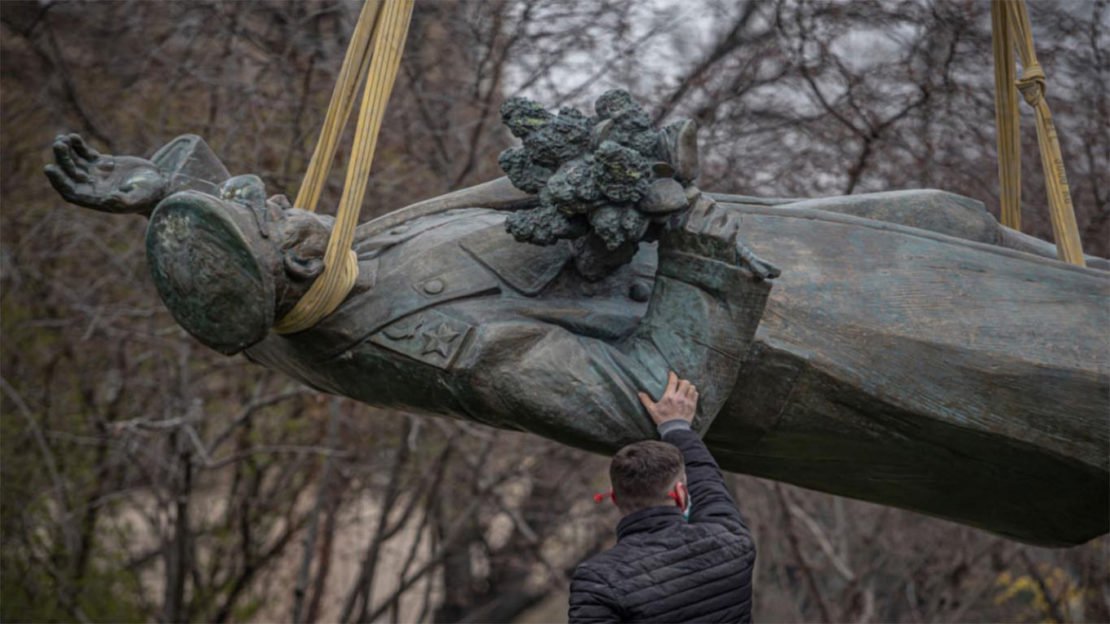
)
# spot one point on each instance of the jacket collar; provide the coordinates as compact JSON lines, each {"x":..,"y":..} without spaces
{"x":650,"y":519}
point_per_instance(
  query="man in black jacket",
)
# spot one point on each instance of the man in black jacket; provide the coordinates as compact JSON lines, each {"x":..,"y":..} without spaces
{"x":683,"y":552}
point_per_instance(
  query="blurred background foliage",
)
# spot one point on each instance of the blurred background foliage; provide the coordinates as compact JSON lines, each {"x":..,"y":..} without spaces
{"x":145,"y":478}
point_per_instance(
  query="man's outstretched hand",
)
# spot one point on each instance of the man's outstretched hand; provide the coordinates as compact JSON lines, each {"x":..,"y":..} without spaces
{"x":679,"y":401}
{"x":117,"y":184}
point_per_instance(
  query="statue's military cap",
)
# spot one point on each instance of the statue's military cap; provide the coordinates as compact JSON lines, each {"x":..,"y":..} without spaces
{"x":209,"y":264}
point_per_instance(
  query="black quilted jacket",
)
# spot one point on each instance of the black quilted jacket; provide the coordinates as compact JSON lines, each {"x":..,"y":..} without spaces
{"x":664,"y":569}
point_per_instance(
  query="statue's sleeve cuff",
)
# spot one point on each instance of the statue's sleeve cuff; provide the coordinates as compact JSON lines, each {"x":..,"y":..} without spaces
{"x":706,"y":273}
{"x":189,"y":164}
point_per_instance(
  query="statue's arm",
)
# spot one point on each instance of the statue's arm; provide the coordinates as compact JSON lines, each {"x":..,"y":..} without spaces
{"x":133,"y":185}
{"x":583,"y":390}
{"x":701,"y":319}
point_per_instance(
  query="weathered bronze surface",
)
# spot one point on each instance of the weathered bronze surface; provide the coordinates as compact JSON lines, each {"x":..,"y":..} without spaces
{"x":905,"y":356}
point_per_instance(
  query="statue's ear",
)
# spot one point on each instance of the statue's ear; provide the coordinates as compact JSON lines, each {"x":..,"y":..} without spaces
{"x":300,"y":268}
{"x":304,"y":240}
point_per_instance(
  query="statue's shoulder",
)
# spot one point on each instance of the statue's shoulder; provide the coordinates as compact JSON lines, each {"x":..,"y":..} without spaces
{"x":489,"y":199}
{"x":527,"y":269}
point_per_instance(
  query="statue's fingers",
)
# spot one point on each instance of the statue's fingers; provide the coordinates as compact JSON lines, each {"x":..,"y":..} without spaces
{"x":733,"y":229}
{"x":763,"y":270}
{"x":67,"y":188}
{"x":64,"y":157}
{"x":59,"y":180}
{"x":65,"y":185}
{"x":83,"y":150}
{"x":737,"y":245}
{"x":757,"y":269}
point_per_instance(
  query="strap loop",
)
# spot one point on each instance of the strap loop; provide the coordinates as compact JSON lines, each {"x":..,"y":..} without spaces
{"x":340,"y":273}
{"x":1032,"y":84}
{"x":1011,"y":30}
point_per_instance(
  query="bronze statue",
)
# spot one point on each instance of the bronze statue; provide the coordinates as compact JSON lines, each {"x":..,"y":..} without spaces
{"x":913,"y":352}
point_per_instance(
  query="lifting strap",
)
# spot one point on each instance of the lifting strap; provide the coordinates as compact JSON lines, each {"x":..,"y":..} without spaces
{"x":374,"y":56}
{"x":1011,"y":30}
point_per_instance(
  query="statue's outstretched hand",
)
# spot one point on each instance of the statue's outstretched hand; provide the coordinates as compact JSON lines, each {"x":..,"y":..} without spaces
{"x":116,"y":184}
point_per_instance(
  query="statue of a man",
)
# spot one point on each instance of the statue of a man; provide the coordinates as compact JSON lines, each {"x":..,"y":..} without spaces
{"x":452,"y":314}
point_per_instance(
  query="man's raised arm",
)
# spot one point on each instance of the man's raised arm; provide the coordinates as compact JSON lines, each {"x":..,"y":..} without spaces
{"x":709,"y":494}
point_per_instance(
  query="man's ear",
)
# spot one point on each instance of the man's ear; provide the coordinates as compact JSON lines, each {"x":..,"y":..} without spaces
{"x":680,"y":486}
{"x":302,"y":269}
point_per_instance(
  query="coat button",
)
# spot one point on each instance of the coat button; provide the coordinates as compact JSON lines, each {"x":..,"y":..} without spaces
{"x":639,"y":291}
{"x":434,"y":286}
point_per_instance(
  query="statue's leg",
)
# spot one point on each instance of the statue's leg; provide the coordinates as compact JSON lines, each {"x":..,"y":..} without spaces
{"x":1031,"y":244}
{"x":938,"y":211}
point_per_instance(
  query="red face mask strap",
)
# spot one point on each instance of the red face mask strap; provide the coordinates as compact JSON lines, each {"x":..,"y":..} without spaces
{"x":676,"y":497}
{"x":601,"y":496}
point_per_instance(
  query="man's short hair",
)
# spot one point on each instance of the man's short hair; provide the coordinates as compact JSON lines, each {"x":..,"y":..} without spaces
{"x":642,"y":474}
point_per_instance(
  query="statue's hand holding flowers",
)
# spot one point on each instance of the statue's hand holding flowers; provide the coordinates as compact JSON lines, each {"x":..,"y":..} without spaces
{"x":605,"y":182}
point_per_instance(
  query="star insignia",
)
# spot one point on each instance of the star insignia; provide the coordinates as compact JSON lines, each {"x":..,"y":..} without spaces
{"x":439,"y":341}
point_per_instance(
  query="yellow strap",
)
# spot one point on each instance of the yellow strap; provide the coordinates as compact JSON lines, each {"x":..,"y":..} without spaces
{"x":1014,"y":19}
{"x":340,"y":261}
{"x":343,"y":94}
{"x":1006,"y":116}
